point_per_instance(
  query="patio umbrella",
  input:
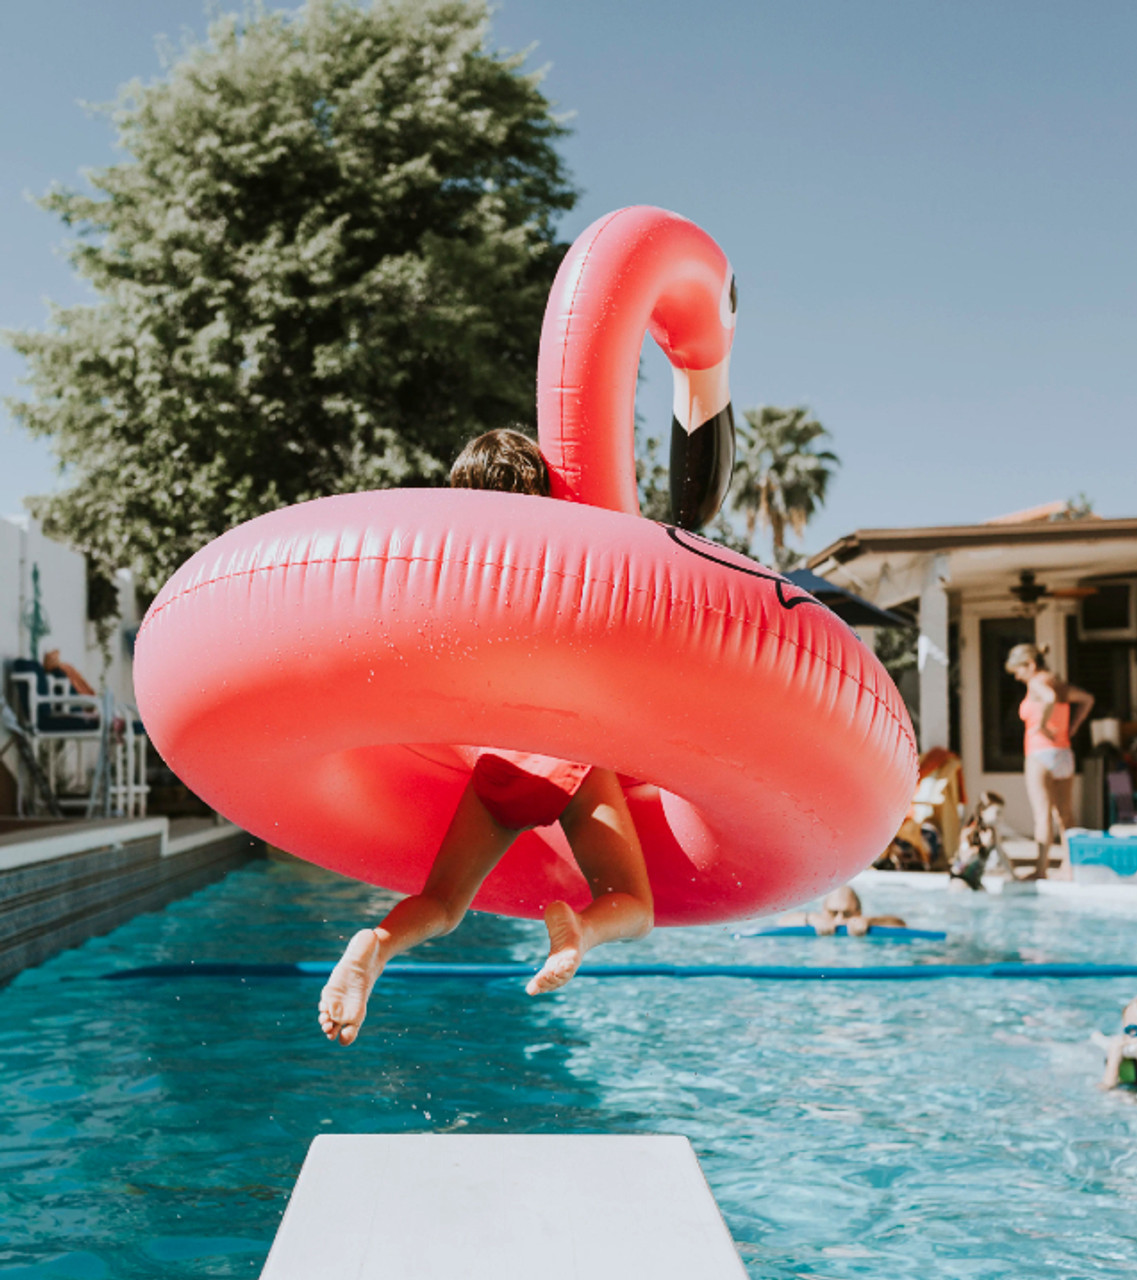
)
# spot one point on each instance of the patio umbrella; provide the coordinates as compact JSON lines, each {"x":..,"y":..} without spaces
{"x":848,"y":607}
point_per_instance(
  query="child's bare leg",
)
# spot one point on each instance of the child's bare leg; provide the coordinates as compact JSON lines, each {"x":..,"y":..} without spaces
{"x":607,"y":850}
{"x":470,"y":850}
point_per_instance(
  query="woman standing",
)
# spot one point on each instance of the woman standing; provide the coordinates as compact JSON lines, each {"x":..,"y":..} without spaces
{"x":1052,"y":712}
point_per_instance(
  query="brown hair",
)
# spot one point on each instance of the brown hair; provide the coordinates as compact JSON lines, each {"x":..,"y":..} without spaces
{"x":507,"y":460}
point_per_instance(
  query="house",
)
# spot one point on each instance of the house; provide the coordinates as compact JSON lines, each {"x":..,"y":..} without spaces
{"x":43,"y":606}
{"x":1050,"y":576}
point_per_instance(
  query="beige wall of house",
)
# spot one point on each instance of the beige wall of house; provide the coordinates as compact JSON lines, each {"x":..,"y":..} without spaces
{"x":63,"y":595}
{"x":63,"y":592}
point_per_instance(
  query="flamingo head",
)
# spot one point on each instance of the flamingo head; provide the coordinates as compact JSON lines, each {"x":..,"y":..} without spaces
{"x":702,"y":421}
{"x":633,"y":269}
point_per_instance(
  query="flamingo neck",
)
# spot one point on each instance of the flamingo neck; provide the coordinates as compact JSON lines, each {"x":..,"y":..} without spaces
{"x":631,"y":271}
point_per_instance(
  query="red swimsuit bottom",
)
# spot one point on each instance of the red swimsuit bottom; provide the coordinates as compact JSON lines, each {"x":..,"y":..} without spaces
{"x":523,"y":790}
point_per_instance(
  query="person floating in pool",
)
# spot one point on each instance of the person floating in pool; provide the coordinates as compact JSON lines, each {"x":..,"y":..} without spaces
{"x":1121,"y":1051}
{"x":509,"y":792}
{"x":842,"y":906}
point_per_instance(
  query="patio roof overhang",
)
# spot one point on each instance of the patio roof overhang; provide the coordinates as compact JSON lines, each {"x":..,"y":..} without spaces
{"x":887,"y":565}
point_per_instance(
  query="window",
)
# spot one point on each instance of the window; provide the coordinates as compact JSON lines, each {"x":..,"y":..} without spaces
{"x":1001,"y":693}
{"x":1107,"y":609}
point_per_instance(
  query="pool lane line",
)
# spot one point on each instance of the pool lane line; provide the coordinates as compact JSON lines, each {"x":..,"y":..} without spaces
{"x":885,"y":932}
{"x":761,"y":973}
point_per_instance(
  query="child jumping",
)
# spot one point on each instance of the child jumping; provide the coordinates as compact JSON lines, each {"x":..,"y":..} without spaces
{"x":508,"y":792}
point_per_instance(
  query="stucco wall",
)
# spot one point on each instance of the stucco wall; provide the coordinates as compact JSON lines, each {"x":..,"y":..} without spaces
{"x":63,"y":588}
{"x":63,"y":593}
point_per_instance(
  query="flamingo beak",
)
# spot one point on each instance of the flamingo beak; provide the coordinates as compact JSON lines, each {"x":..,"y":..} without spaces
{"x":702,"y":428}
{"x":702,"y":444}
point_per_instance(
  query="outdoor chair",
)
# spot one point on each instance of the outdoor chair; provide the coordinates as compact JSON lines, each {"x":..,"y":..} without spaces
{"x":53,"y":714}
{"x":939,"y":798}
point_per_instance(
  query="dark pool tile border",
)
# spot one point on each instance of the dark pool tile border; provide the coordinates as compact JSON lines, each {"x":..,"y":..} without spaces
{"x":49,"y":905}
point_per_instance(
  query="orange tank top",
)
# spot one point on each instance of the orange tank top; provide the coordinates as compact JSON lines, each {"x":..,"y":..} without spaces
{"x":1030,"y":710}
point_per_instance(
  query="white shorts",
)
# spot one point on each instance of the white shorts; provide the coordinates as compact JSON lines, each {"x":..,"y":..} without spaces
{"x":1057,"y":761}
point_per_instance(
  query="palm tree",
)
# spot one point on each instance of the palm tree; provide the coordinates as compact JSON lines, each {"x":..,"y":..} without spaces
{"x":781,"y":474}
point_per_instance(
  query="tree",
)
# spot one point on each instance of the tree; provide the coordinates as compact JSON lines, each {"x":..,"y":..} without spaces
{"x":654,"y":490}
{"x":781,"y":475}
{"x":898,"y":651}
{"x":1079,"y":507}
{"x":323,"y":266}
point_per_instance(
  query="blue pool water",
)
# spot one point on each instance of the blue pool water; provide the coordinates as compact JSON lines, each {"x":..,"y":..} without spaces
{"x":947,"y":1129}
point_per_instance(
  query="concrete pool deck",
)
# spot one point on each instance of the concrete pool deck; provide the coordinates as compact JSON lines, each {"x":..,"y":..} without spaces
{"x":64,"y":883}
{"x":1112,"y":892}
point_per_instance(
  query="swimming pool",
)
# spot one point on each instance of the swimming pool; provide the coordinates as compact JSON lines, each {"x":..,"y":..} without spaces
{"x":949,"y":1129}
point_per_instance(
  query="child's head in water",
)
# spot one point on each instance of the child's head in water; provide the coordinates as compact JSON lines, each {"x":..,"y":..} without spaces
{"x":506,"y":460}
{"x":1129,"y":1016}
{"x":843,"y":902}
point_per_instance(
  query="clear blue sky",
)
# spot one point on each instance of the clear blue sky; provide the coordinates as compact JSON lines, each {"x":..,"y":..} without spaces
{"x":930,"y":208}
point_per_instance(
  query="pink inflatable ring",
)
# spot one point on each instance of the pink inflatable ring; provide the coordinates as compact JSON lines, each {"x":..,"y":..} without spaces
{"x":301,"y":672}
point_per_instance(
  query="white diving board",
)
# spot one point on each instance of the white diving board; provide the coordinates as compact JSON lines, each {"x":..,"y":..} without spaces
{"x":490,"y":1207}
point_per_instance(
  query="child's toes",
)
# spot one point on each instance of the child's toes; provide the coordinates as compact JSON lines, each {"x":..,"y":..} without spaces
{"x":556,"y":972}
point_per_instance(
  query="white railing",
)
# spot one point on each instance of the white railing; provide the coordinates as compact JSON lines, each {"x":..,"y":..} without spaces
{"x":57,"y":721}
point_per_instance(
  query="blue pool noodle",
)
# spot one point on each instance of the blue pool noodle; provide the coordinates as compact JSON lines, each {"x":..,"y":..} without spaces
{"x":766,"y":973}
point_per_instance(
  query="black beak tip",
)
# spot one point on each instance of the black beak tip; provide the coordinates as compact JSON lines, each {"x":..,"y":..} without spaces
{"x":701,"y":466}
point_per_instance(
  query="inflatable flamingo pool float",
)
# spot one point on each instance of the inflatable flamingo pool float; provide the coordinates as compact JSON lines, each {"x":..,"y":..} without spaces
{"x":313,"y":674}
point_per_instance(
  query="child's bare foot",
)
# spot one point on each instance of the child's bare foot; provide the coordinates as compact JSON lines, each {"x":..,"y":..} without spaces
{"x":566,"y":949}
{"x":343,"y":1001}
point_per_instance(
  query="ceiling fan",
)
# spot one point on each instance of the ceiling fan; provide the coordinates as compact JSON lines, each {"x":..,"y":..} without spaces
{"x":1029,"y":591}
